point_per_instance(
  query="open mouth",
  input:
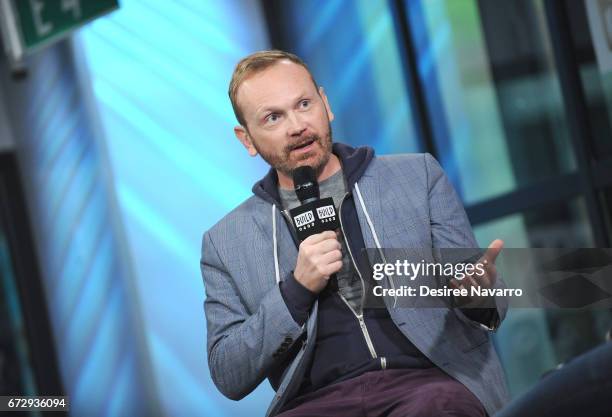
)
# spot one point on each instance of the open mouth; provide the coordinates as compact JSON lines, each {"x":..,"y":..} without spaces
{"x":303,"y":145}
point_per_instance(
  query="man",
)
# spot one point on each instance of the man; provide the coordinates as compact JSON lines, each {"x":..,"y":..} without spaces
{"x":271,"y":308}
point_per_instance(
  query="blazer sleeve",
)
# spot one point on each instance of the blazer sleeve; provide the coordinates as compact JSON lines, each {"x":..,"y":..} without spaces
{"x":242,"y":347}
{"x":451,"y":228}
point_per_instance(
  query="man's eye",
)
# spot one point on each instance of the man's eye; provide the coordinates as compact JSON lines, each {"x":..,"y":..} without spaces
{"x":305,"y":103}
{"x":272,"y":118}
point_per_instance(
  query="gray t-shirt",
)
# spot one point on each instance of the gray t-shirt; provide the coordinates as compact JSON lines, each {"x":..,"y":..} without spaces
{"x":349,"y":284}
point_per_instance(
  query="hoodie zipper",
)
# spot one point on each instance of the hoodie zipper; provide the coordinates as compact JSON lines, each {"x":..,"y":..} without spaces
{"x":360,"y":319}
{"x":362,"y":325}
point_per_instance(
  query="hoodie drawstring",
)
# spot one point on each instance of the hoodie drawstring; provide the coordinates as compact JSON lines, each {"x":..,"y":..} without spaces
{"x":370,"y":224}
{"x":275,"y":243}
{"x":376,"y":241}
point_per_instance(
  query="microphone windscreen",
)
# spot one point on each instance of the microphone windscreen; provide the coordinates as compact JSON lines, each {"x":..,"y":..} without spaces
{"x":305,"y":183}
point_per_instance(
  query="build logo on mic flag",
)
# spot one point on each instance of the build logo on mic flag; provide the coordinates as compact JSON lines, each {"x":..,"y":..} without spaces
{"x":304,"y":220}
{"x":326,"y":213}
{"x":314,"y":217}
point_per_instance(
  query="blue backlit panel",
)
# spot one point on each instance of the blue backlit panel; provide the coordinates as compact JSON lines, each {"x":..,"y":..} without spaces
{"x":159,"y":77}
{"x":78,"y":244}
{"x":351,"y":47}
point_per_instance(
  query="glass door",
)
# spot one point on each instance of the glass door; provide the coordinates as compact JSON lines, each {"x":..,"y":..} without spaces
{"x":496,"y":92}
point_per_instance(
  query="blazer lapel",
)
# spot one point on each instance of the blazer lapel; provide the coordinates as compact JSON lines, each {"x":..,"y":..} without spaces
{"x":287,"y":251}
{"x":371,"y":193}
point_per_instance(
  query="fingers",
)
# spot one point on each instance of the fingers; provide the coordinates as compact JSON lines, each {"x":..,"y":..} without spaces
{"x":330,"y":262}
{"x":488,"y":261}
{"x":455,"y":283}
{"x":466,"y":282}
{"x":490,"y":271}
{"x":485,"y":280}
{"x":328,"y":246}
{"x":332,"y":268}
{"x":490,"y":275}
{"x":320,"y":237}
{"x":322,"y":242}
{"x":322,"y":252}
{"x":471,"y":282}
{"x":493,"y":251}
{"x":319,"y":257}
{"x":332,"y":256}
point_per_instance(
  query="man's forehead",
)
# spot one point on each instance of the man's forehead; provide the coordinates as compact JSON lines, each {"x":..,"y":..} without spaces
{"x":281,"y":81}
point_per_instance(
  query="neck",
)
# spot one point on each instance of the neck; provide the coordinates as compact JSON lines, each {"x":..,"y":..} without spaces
{"x":332,"y":166}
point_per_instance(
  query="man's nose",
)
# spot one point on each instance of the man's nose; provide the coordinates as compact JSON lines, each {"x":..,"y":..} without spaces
{"x":296,"y":124}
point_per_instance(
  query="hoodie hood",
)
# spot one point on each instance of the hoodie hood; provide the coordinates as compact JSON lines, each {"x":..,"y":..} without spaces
{"x":354,"y":162}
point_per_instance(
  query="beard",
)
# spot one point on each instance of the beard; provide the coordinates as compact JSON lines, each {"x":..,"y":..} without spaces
{"x":285,"y":162}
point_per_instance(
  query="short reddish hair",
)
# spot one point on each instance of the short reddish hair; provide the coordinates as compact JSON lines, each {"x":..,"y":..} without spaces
{"x":254,"y":63}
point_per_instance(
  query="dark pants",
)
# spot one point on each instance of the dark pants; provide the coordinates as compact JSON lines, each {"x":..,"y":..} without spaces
{"x":582,"y":388}
{"x":390,"y":393}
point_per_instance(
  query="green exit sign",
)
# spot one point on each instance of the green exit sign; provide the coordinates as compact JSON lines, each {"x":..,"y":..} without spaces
{"x":31,"y":24}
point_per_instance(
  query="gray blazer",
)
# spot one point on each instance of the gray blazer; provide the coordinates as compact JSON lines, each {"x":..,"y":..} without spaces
{"x":402,"y":201}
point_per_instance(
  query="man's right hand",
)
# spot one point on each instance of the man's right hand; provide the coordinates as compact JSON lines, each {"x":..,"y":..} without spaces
{"x":319,"y":257}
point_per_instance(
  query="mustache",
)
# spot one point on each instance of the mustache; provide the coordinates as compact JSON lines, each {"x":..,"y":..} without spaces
{"x":307,"y":139}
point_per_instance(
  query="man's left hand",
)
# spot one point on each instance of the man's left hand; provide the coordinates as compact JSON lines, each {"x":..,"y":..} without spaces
{"x":485,"y":280}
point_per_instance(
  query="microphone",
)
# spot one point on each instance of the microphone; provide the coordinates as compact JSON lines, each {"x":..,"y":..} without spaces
{"x":314,"y":215}
{"x":305,"y":184}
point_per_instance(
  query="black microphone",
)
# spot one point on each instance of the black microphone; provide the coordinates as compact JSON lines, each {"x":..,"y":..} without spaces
{"x":314,"y":215}
{"x":305,"y":184}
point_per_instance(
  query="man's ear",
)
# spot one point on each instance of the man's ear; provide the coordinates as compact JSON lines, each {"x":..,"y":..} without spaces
{"x":243,"y":136}
{"x":330,"y":115}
